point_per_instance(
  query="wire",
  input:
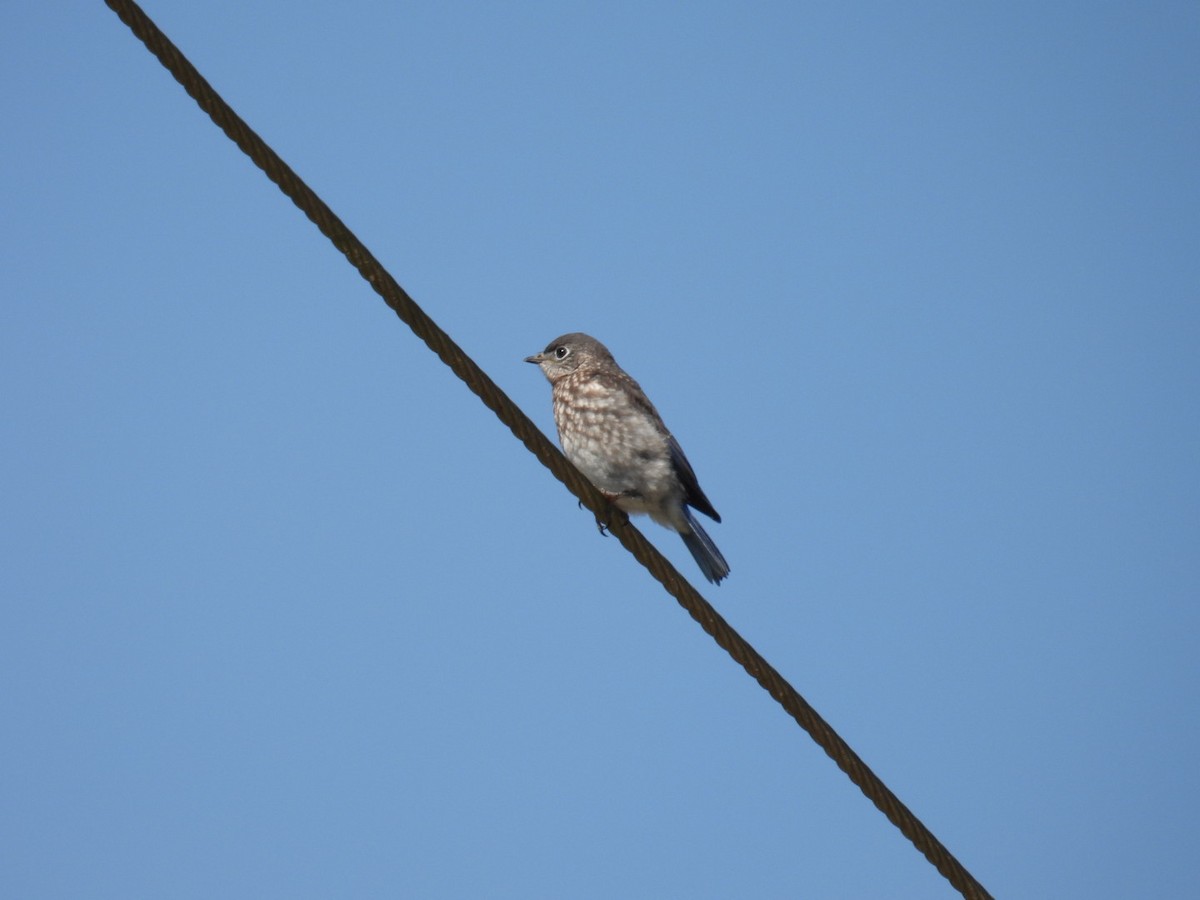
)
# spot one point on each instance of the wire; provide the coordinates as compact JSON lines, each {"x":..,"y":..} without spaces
{"x":531,"y":436}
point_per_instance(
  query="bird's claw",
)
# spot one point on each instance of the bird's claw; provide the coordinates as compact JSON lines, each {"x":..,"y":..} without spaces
{"x":601,"y":525}
{"x":604,"y":520}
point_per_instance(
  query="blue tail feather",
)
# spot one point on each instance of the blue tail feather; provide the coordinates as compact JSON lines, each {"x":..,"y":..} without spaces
{"x":705,"y":552}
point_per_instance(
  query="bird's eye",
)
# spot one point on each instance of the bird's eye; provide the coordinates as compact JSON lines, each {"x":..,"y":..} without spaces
{"x":561,"y":352}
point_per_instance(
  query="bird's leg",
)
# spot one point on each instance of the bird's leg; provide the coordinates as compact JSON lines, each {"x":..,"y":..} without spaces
{"x":603,"y":522}
{"x":614,"y":511}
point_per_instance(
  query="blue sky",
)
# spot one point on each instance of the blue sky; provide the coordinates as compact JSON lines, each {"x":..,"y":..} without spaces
{"x":286,"y":612}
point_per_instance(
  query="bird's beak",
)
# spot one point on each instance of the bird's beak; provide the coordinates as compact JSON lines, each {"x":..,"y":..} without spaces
{"x":534,"y":359}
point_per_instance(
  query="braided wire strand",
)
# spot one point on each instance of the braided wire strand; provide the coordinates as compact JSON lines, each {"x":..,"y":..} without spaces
{"x":536,"y":442}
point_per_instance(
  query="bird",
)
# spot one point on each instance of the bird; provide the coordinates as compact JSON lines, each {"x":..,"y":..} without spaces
{"x":612,"y":433}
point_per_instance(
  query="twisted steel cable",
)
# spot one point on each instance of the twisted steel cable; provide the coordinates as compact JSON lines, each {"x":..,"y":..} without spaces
{"x":537,"y":443}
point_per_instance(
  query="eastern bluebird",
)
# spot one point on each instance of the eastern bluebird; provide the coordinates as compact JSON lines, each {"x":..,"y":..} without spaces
{"x":614,"y":435}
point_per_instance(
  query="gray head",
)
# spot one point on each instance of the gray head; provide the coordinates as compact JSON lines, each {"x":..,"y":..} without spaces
{"x":569,"y":353}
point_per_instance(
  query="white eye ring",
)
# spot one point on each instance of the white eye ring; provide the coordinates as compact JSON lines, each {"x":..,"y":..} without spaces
{"x":561,"y":352}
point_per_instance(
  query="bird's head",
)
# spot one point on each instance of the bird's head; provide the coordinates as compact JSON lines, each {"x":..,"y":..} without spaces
{"x":567,"y":354}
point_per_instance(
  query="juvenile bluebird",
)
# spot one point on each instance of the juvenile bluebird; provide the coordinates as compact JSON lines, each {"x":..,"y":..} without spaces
{"x":614,"y":436}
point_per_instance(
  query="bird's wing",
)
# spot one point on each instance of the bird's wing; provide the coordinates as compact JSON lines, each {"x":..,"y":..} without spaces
{"x":693,"y":496}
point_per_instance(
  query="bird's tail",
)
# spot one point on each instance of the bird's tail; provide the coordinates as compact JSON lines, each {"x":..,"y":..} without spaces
{"x":705,"y":552}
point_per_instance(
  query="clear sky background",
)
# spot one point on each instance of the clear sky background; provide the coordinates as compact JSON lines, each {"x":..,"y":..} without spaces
{"x":284,"y":610}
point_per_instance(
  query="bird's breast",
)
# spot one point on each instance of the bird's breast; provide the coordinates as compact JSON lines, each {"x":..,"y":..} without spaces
{"x":610,"y":439}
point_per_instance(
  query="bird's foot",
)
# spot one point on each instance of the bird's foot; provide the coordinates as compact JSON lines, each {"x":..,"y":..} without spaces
{"x":605,"y":520}
{"x":604,"y":523}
